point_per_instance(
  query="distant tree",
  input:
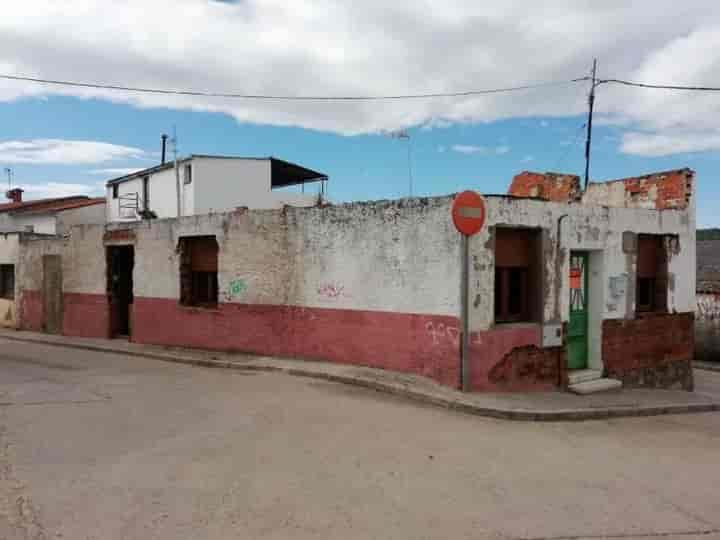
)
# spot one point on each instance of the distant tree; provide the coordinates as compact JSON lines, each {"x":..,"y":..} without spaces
{"x":708,"y":234}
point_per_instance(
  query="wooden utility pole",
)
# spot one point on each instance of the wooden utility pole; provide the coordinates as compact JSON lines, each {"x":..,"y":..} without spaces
{"x":591,"y":103}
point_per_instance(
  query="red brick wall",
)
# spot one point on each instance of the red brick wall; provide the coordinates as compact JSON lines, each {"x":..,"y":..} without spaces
{"x":655,"y":350}
{"x":548,"y":186}
{"x":671,"y":189}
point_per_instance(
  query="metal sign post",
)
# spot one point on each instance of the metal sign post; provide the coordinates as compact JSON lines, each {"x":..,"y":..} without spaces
{"x":468,"y":214}
{"x":465,"y":314}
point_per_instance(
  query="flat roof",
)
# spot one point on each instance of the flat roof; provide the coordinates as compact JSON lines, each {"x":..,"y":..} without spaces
{"x":283,"y":173}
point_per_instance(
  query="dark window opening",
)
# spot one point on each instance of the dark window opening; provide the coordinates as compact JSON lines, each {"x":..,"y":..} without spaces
{"x":7,"y":281}
{"x":651,"y":281}
{"x":188,"y":174}
{"x":199,"y":271}
{"x":115,"y":191}
{"x":146,"y":193}
{"x":516,"y":275}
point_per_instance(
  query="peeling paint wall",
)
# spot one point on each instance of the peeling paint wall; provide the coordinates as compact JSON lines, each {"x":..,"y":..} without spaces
{"x":9,"y":255}
{"x":587,"y":228}
{"x":374,"y":283}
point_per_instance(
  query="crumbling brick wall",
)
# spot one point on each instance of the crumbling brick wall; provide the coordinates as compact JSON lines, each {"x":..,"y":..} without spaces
{"x":654,"y":350}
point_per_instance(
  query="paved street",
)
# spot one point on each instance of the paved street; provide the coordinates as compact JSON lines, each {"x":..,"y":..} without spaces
{"x":105,"y":446}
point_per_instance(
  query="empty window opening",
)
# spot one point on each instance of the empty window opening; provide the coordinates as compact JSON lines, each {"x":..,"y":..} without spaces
{"x":199,"y":271}
{"x":651,"y":283}
{"x":188,"y":174}
{"x":115,"y":191}
{"x":517,"y":273}
{"x":7,"y":281}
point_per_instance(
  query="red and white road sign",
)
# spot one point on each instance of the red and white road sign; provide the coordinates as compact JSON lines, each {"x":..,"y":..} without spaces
{"x":468,"y":212}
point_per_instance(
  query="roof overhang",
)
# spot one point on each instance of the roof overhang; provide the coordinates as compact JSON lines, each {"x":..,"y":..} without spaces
{"x":284,"y":173}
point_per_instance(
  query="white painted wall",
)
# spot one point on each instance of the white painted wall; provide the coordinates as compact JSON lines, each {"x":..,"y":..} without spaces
{"x":225,"y":184}
{"x":163,"y":195}
{"x":40,"y":223}
{"x":218,"y":185}
{"x":585,"y":228}
{"x":85,"y":215}
{"x":9,"y":248}
{"x":9,"y":252}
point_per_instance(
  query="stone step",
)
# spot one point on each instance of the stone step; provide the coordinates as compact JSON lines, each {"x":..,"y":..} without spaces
{"x":577,"y":376}
{"x":592,"y":387}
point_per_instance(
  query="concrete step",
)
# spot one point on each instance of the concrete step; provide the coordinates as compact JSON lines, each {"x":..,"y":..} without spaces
{"x":592,"y":387}
{"x":576,"y":376}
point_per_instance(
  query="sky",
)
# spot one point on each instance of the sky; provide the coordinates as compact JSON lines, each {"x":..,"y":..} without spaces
{"x":66,"y":140}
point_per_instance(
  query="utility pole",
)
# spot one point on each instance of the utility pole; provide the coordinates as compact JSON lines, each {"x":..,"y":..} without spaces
{"x":177,"y":172}
{"x":591,"y":103}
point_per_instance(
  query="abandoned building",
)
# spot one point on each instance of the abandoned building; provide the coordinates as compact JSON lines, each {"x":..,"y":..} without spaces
{"x":565,"y":285}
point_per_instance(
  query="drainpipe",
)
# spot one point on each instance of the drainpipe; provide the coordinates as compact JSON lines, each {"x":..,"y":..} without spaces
{"x":558,"y":286}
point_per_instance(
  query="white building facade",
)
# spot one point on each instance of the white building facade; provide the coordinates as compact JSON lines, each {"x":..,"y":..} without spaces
{"x":201,"y":184}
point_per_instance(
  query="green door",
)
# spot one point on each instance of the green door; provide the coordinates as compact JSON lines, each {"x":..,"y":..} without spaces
{"x":577,"y":339}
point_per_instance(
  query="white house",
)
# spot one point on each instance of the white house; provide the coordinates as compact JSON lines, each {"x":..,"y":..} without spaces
{"x":49,"y":216}
{"x":202,"y":184}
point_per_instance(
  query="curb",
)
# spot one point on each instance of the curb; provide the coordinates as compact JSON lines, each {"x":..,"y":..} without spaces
{"x":559,"y":415}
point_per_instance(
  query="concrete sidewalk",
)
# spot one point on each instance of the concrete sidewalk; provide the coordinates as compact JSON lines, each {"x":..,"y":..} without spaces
{"x":544,"y":406}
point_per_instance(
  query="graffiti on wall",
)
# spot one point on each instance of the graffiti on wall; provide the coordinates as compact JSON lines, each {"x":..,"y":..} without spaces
{"x":235,"y":289}
{"x":332,"y":290}
{"x":708,"y":307}
{"x":442,"y":334}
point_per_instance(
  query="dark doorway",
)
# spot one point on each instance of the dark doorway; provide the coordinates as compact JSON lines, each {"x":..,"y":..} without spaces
{"x":120,"y":262}
{"x":52,"y":294}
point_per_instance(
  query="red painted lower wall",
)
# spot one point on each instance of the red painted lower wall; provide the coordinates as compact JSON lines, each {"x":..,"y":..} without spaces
{"x":510,"y":358}
{"x":507,"y":358}
{"x":423,"y":344}
{"x":86,"y":315}
{"x":31,"y":316}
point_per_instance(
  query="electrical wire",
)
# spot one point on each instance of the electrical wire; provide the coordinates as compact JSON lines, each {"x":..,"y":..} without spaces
{"x":659,"y":86}
{"x":195,"y":93}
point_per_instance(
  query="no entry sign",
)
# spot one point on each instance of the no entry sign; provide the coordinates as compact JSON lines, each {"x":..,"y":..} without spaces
{"x":468,"y":212}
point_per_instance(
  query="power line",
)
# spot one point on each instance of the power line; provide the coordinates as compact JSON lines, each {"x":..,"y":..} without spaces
{"x":198,"y":93}
{"x":659,"y":86}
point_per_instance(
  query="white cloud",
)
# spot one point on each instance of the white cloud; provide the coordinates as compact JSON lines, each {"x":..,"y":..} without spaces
{"x":61,"y":189}
{"x":649,"y":144}
{"x":436,"y":123}
{"x":115,"y":171}
{"x":340,"y":48}
{"x":469,"y":149}
{"x":473,"y":149}
{"x":60,"y":151}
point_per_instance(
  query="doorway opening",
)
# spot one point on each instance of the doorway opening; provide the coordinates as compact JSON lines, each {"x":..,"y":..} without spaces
{"x":577,"y":339}
{"x":120,"y":263}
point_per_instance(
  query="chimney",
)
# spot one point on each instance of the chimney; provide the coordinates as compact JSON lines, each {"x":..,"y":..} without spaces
{"x":15,"y":195}
{"x":164,"y":142}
